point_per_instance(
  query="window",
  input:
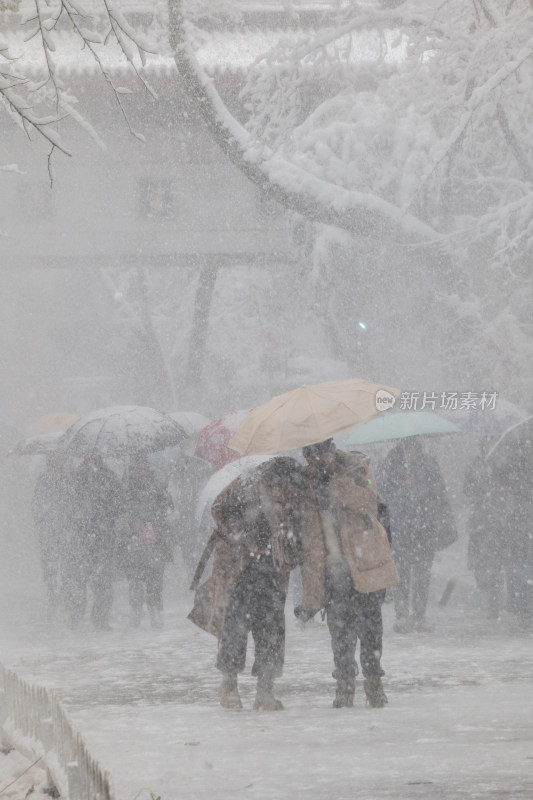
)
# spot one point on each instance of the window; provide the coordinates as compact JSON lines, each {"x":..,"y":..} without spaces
{"x":156,"y":198}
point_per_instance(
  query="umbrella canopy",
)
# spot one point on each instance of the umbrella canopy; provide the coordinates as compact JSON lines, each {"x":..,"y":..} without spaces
{"x":121,"y":430}
{"x":308,"y":415}
{"x":489,"y":422}
{"x":218,"y":481}
{"x":516,"y":439}
{"x":212,"y":443}
{"x":40,"y":445}
{"x":191,"y":421}
{"x":399,"y":426}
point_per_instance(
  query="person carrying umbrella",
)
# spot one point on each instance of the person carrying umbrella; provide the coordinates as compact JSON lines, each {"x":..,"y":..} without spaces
{"x":49,"y":507}
{"x":95,"y":502}
{"x":256,"y":545}
{"x":347,"y":565}
{"x":422,"y":523}
{"x":145,"y":540}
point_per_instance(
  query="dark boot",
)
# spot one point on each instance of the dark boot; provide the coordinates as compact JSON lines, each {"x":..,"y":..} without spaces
{"x":136,"y":613}
{"x":229,"y":693}
{"x":344,"y":694}
{"x":375,"y":693}
{"x":156,"y":618}
{"x":264,"y":698}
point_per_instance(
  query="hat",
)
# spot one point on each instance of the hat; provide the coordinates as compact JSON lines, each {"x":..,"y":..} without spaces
{"x":312,"y":451}
{"x":281,"y":472}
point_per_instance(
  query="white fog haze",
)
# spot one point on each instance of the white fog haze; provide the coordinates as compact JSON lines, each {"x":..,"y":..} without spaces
{"x":207,"y":204}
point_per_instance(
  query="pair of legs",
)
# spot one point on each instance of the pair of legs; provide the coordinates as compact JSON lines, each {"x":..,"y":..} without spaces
{"x":519,"y":577}
{"x":257,"y":605}
{"x":52,"y":581}
{"x":80,"y":573}
{"x":146,"y":583}
{"x":490,"y":580}
{"x":353,"y":616}
{"x":412,"y":592}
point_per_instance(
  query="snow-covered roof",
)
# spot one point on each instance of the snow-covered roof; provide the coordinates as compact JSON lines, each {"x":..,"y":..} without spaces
{"x":227,"y":51}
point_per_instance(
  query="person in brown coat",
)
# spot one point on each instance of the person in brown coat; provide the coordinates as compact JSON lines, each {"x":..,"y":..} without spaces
{"x":256,"y":545}
{"x":347,"y":565}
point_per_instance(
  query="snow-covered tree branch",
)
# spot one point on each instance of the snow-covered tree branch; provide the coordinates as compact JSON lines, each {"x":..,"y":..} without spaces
{"x":45,"y":31}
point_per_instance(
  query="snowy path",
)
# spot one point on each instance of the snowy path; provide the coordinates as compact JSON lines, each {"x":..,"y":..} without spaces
{"x":459,"y":721}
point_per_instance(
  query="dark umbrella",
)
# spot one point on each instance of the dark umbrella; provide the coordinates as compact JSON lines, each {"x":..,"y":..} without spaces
{"x":40,"y":445}
{"x":121,"y":431}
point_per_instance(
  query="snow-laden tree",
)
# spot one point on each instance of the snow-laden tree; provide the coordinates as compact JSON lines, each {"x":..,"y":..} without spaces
{"x":427,"y":145}
{"x":398,"y":131}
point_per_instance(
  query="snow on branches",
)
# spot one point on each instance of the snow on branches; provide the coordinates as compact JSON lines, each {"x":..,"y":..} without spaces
{"x":40,"y":37}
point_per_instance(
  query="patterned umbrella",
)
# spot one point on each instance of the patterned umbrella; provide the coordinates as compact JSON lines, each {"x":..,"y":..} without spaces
{"x":121,"y":431}
{"x":212,"y":444}
{"x":39,"y":445}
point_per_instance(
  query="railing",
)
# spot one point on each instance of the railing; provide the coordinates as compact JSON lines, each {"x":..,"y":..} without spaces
{"x":33,"y":721}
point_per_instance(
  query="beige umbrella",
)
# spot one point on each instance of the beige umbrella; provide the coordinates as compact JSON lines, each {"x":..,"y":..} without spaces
{"x":58,"y":421}
{"x":310,"y":414}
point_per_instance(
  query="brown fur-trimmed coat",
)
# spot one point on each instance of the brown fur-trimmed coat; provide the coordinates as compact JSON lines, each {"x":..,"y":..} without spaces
{"x":352,"y":494}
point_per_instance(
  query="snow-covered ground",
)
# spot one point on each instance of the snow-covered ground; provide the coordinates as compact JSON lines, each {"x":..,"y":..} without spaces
{"x":459,"y":721}
{"x":20,"y":778}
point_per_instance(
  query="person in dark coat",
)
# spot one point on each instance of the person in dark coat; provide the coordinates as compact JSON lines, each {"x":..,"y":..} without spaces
{"x":146,"y":541}
{"x":487,"y":546}
{"x":50,"y":515}
{"x":256,"y":547}
{"x":414,"y":490}
{"x":513,"y":481}
{"x":95,"y":502}
{"x":347,"y":564}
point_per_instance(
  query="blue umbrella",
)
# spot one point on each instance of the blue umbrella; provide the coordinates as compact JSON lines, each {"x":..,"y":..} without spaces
{"x":399,"y":426}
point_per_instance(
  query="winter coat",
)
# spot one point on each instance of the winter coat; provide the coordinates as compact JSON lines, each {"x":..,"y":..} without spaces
{"x":513,"y":489}
{"x":96,"y":500}
{"x":145,"y":533}
{"x":249,"y":524}
{"x":50,"y":507}
{"x":486,"y":543}
{"x":420,"y":513}
{"x":351,"y":495}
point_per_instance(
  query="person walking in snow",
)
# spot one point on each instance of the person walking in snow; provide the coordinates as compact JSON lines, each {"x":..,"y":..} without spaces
{"x":50,"y":518}
{"x":513,"y":497}
{"x":96,"y":501}
{"x":146,"y":540}
{"x":346,"y":566}
{"x":256,"y":546}
{"x":414,"y":490}
{"x":487,"y":546}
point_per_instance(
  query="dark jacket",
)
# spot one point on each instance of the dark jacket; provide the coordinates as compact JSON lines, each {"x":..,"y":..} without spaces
{"x":96,"y":500}
{"x":416,"y":497}
{"x":146,"y":535}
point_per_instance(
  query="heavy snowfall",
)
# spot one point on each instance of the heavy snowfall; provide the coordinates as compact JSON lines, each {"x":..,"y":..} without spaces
{"x":208,"y":205}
